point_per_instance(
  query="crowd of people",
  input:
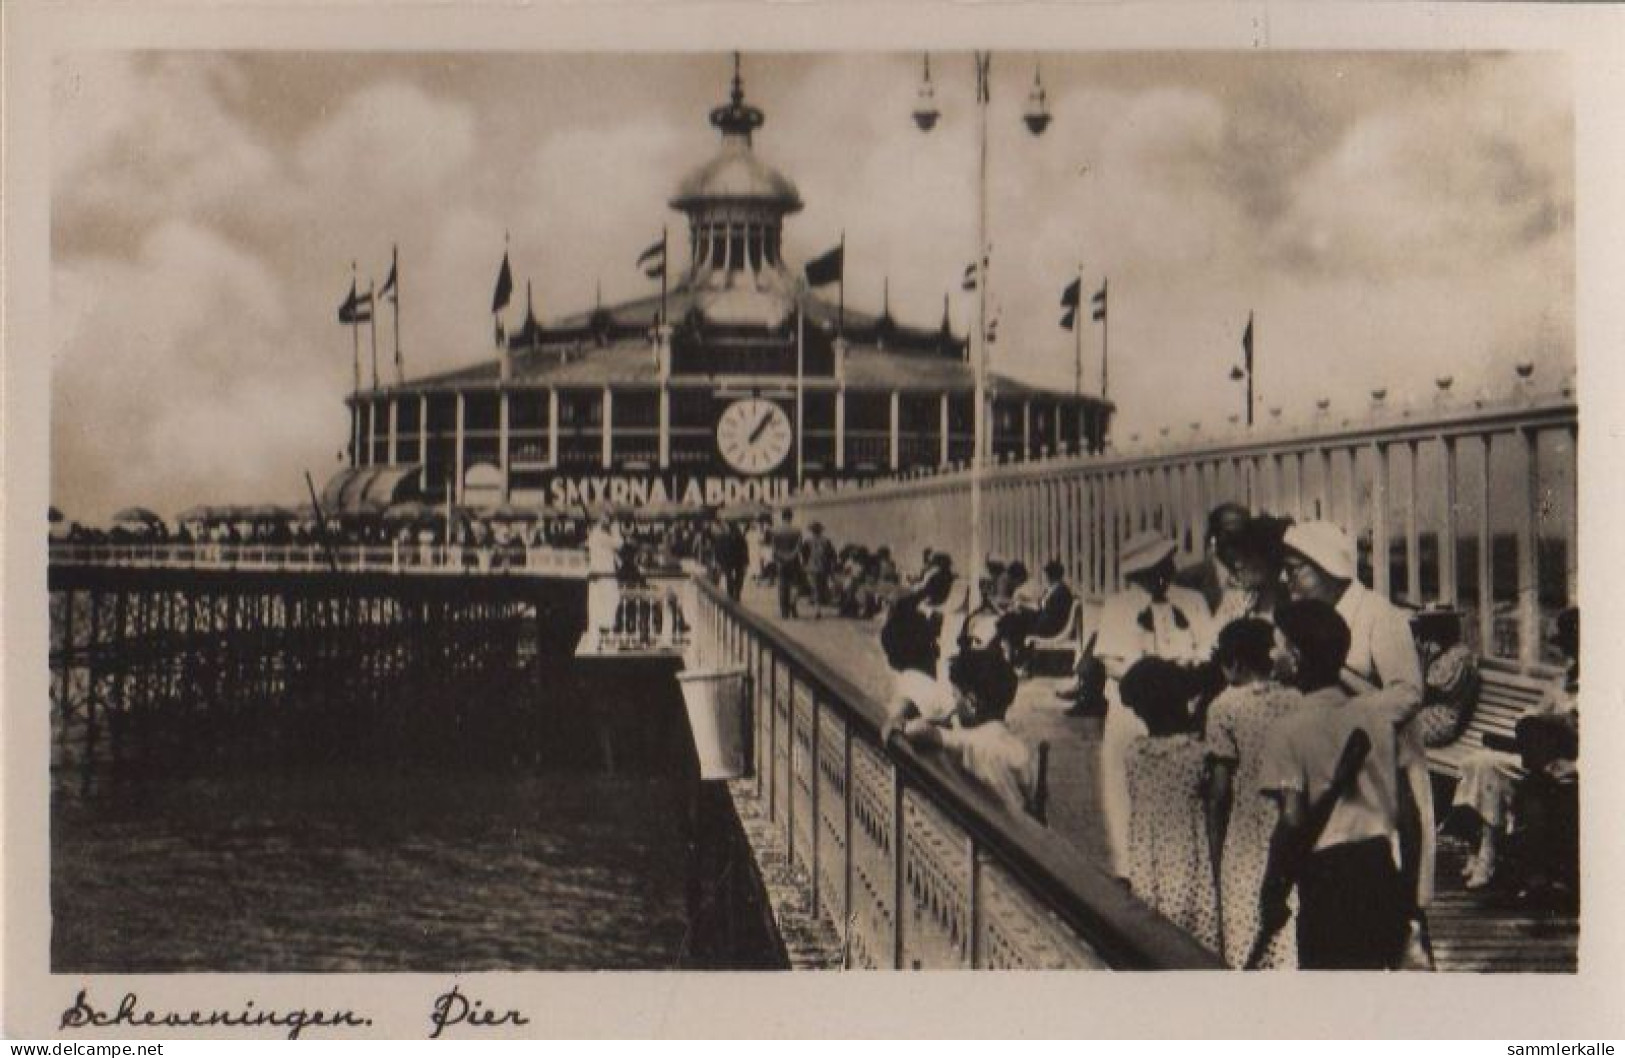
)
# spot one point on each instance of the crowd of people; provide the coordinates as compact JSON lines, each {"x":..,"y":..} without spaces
{"x":1266,"y":720}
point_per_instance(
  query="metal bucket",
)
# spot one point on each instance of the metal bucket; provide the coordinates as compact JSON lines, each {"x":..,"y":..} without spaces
{"x":719,"y":719}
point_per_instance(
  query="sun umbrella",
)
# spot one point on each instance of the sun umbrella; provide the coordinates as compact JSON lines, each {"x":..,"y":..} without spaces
{"x":139,"y":515}
{"x":409,"y":512}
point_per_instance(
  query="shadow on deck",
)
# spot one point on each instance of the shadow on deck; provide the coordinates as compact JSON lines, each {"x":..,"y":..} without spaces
{"x":1472,"y":931}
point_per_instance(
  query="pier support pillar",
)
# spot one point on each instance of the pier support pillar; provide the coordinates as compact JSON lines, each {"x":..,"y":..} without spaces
{"x":893,"y":448}
{"x":840,"y":428}
{"x":457,"y":465}
{"x":553,"y":427}
{"x":502,"y":443}
{"x":609,"y":428}
{"x":665,"y":427}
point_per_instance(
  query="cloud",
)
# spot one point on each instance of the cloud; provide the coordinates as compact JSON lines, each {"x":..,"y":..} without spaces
{"x":140,"y":138}
{"x":176,"y":377}
{"x":1382,"y":214}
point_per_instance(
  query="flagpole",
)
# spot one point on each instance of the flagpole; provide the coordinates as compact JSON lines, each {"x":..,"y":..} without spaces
{"x":840,"y":292}
{"x":801,"y":342}
{"x":372,"y":329}
{"x":1105,"y":336}
{"x":1252,"y":340}
{"x":979,"y":457}
{"x":664,"y":254}
{"x":355,"y":340}
{"x":395,"y":299}
{"x":1077,"y":334}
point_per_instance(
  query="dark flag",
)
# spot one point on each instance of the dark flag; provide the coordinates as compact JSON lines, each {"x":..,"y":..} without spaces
{"x":357,"y":308}
{"x":653,"y":260}
{"x":984,"y":92}
{"x":347,"y":309}
{"x":827,"y":268}
{"x":1070,"y":296}
{"x":969,"y":281}
{"x":1069,"y":302}
{"x":1099,"y":302}
{"x":504,"y":290}
{"x":1247,"y":344}
{"x":387,"y":291}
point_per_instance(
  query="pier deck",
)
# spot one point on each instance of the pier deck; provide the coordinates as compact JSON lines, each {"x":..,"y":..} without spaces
{"x":1472,"y":931}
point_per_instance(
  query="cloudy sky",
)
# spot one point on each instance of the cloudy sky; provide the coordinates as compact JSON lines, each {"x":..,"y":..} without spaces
{"x":1389,"y":219}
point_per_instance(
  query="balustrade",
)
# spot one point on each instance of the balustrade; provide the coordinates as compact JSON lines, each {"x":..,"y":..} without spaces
{"x":1474,"y":509}
{"x":910,"y":863}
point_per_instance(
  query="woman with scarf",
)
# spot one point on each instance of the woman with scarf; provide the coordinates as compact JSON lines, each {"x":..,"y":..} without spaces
{"x":1150,"y":617}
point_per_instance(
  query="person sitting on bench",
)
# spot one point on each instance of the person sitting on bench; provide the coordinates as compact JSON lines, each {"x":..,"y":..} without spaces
{"x":1547,"y":741}
{"x":1045,"y":619}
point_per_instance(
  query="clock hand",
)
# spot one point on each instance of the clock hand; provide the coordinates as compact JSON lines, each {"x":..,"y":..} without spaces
{"x":754,"y":434}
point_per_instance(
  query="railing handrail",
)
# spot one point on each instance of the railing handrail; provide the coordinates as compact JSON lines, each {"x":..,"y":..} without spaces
{"x":1074,"y":887}
{"x":406,"y":558}
{"x":1427,"y":424}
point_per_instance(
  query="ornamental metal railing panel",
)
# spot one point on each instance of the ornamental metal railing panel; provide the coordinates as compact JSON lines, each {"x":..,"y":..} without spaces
{"x":910,"y":862}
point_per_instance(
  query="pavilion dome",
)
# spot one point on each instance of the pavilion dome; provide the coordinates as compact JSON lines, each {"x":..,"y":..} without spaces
{"x":736,"y":176}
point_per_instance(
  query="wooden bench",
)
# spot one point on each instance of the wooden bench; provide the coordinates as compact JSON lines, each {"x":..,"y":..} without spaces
{"x":1504,"y":696}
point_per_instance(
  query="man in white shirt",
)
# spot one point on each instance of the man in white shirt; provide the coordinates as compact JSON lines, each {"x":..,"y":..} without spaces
{"x":1352,"y":903}
{"x":1382,"y":667}
{"x":604,"y":544}
{"x":1149,"y":617}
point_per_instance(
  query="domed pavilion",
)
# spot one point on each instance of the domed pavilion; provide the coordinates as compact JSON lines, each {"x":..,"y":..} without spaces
{"x":737,"y":382}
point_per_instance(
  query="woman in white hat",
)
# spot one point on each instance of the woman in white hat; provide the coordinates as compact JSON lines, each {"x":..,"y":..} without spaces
{"x":1150,"y":617}
{"x":1383,"y":667}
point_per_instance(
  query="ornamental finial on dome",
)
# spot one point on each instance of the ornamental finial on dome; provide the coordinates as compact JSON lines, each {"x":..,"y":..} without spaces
{"x":737,"y":118}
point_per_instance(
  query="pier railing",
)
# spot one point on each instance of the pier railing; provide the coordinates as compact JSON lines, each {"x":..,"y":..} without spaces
{"x":913,"y":864}
{"x":371,"y":558}
{"x":1473,"y":508}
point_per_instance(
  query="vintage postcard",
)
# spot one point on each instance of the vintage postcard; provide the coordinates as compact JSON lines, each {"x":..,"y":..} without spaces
{"x":500,"y":499}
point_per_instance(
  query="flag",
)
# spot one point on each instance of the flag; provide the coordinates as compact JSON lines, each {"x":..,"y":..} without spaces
{"x":387,"y":291}
{"x":347,"y":310}
{"x":983,"y":76}
{"x":827,"y":268}
{"x":969,"y":280}
{"x":504,"y":291}
{"x":1070,"y":319}
{"x":1247,"y":344}
{"x":653,"y":260}
{"x":1070,"y":296}
{"x":1099,"y":302}
{"x":357,"y":308}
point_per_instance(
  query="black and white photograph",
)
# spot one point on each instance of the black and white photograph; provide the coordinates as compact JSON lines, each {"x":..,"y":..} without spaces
{"x":785,"y":507}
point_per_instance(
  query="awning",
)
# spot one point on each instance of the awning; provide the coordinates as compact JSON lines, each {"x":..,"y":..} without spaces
{"x":367,"y":491}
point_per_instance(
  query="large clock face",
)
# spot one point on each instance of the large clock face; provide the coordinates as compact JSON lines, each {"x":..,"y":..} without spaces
{"x":754,"y":435}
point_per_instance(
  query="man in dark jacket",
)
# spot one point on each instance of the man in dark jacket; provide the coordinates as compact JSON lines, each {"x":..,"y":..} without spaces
{"x":731,"y":554}
{"x":1048,"y":618}
{"x":787,"y":564}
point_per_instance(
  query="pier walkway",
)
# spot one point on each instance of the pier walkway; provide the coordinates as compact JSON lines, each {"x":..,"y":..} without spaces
{"x":1472,"y":931}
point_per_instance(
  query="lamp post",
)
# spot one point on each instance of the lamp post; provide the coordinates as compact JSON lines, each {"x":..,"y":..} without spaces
{"x":1036,"y":117}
